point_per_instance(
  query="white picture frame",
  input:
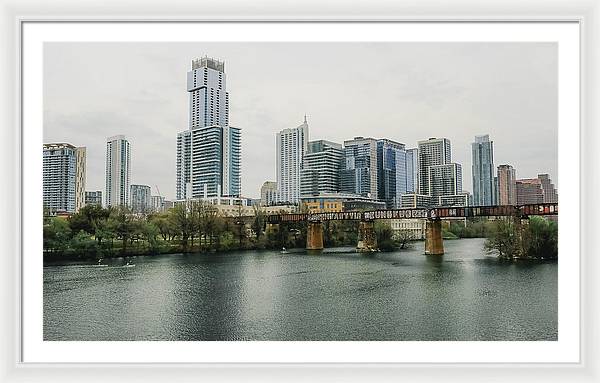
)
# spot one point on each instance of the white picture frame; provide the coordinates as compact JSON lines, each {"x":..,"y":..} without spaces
{"x":13,"y":369}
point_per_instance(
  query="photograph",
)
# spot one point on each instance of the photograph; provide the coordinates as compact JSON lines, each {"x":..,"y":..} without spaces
{"x":301,"y":191}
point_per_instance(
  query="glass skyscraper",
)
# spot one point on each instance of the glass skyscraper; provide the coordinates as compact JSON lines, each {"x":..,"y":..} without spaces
{"x":391,"y":172}
{"x":209,"y":151}
{"x":484,"y":186}
{"x":359,"y":169}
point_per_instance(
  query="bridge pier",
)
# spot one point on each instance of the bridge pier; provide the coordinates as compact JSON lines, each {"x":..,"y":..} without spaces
{"x":434,"y":244}
{"x":314,"y":235}
{"x":367,"y":239}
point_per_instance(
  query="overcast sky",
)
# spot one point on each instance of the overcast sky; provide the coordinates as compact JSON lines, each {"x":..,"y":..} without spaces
{"x":402,"y":91}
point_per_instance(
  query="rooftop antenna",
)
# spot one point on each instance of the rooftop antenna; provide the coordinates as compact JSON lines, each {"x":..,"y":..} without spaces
{"x":305,"y":118}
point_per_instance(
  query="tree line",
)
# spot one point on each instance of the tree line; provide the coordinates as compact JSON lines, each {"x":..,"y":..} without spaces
{"x":97,"y":232}
{"x":513,"y":238}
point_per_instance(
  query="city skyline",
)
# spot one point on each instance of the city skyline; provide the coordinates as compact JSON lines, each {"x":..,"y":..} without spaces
{"x":434,"y":88}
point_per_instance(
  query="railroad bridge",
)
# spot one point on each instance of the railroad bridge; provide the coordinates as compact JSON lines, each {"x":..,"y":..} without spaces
{"x":367,"y":240}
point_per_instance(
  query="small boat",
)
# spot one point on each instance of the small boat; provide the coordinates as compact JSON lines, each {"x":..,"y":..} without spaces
{"x":283,"y":250}
{"x":129,"y":264}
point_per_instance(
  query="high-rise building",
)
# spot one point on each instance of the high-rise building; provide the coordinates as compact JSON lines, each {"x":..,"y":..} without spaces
{"x":459,"y":199}
{"x":391,"y":172}
{"x":80,"y":176}
{"x":140,"y":199}
{"x":321,"y":168}
{"x":484,"y":190}
{"x":432,"y":152}
{"x":536,"y":190}
{"x":93,"y":197}
{"x":207,"y":88}
{"x":507,"y":185}
{"x":63,"y":177}
{"x":209,"y":151}
{"x":438,"y":176}
{"x":157,"y":203}
{"x":412,"y":170}
{"x":118,"y":171}
{"x":291,"y":148}
{"x":268,"y":193}
{"x":359,"y":168}
{"x":445,"y":180}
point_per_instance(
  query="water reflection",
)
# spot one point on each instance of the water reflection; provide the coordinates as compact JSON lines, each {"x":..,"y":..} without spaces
{"x":333,"y":295}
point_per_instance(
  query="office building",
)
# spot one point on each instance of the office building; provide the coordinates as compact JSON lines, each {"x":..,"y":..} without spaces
{"x":507,"y":185}
{"x":336,"y":202}
{"x":140,"y":199}
{"x":268,"y":193}
{"x":321,"y":168}
{"x":483,"y":171}
{"x":415,"y":201}
{"x":63,"y":177}
{"x":408,"y":229}
{"x":444,"y":180}
{"x":461,"y":199}
{"x":157,"y":203}
{"x":359,"y":168}
{"x":391,"y":172}
{"x":93,"y":197}
{"x":291,"y":147}
{"x":209,"y":152}
{"x":432,"y":152}
{"x":536,"y":190}
{"x":412,"y":170}
{"x":118,"y":171}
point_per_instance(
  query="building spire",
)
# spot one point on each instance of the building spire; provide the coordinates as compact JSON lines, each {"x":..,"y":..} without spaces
{"x":305,"y":118}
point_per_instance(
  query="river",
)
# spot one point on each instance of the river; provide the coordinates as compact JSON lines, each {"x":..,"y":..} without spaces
{"x":336,"y":295}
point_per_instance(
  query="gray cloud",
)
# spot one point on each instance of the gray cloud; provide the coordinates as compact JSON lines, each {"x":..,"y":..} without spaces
{"x":402,"y":91}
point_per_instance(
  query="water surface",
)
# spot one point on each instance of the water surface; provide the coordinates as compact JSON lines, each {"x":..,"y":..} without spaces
{"x":266,"y":295}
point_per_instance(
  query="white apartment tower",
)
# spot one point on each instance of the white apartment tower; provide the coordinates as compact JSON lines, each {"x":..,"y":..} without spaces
{"x":118,"y":171}
{"x":209,"y":151}
{"x":291,"y":148}
{"x":209,"y":100}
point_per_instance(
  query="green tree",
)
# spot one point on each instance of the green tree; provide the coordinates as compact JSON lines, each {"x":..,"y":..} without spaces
{"x":123,"y":226}
{"x":87,"y":218}
{"x":403,"y":238}
{"x":385,"y":236}
{"x":504,"y":239}
{"x":57,"y":235}
{"x":540,"y":239}
{"x":83,"y":244}
{"x":180,"y":219}
{"x":258,"y":223}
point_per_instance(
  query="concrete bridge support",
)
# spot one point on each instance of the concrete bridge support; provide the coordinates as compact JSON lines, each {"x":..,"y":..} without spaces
{"x":434,"y":244}
{"x":314,"y":235}
{"x":367,"y":239}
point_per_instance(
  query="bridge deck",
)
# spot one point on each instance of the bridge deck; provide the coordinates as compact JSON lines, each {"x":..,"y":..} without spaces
{"x":433,"y":213}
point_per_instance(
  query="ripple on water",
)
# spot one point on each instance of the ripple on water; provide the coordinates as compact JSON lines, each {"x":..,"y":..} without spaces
{"x":337,"y":295}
